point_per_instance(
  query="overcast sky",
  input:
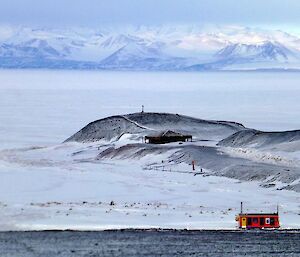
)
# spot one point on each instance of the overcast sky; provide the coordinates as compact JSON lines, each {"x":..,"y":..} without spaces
{"x":94,"y":13}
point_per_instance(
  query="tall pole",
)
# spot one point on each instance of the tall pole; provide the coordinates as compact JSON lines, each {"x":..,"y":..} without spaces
{"x":241,"y":207}
{"x":142,"y":108}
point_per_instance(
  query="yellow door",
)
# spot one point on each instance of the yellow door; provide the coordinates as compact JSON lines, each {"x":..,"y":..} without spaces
{"x":244,"y":222}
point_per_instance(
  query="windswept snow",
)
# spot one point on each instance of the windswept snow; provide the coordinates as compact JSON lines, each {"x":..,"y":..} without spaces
{"x":75,"y":191}
{"x":241,"y":165}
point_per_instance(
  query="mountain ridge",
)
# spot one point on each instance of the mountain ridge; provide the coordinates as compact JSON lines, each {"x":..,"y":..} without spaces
{"x":146,"y":48}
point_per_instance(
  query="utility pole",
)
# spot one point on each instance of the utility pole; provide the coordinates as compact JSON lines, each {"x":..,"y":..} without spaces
{"x":142,"y":108}
{"x":193,"y":164}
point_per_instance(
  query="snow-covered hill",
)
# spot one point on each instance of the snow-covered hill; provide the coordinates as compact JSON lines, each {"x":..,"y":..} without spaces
{"x":259,"y":139}
{"x":143,"y":123}
{"x":213,"y":147}
{"x":150,"y":48}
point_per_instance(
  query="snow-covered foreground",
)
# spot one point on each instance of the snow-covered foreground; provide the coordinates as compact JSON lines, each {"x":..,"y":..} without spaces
{"x":65,"y":187}
{"x":51,"y":190}
{"x":48,"y":185}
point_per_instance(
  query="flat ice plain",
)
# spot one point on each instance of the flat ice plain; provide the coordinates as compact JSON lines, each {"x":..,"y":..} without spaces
{"x":40,"y":108}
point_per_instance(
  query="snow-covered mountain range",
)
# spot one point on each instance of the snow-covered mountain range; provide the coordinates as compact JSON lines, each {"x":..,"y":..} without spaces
{"x":149,"y":48}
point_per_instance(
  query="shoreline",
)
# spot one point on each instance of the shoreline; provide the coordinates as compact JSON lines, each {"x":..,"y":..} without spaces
{"x":162,"y":230}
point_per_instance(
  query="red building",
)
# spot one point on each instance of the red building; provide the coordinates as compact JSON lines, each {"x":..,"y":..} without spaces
{"x":257,"y":220}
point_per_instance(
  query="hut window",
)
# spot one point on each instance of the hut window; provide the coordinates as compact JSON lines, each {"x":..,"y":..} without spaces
{"x":249,"y":221}
{"x":272,"y":221}
{"x":267,"y":220}
{"x":262,"y":221}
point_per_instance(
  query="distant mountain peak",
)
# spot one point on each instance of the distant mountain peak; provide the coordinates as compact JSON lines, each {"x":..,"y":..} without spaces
{"x":133,"y":54}
{"x":120,"y":40}
{"x":266,"y":50}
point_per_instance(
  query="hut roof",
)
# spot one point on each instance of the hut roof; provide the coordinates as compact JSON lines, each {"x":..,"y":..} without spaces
{"x":168,"y":133}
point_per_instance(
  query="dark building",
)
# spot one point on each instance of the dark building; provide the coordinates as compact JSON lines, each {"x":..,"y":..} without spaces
{"x":167,"y":137}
